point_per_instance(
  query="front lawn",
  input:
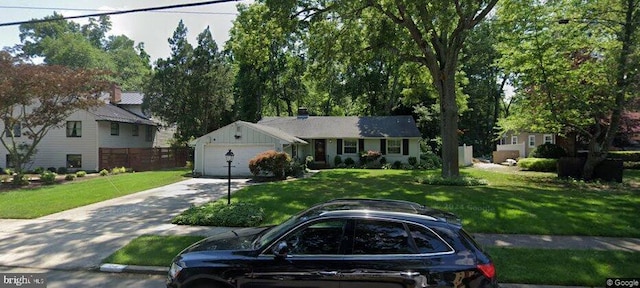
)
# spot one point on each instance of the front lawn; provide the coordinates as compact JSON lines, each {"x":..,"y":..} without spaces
{"x":563,"y":267}
{"x":512,"y":202}
{"x":530,"y":266}
{"x":45,"y":200}
{"x":151,"y":250}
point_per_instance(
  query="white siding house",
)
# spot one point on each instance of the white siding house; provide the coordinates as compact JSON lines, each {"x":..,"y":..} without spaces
{"x":76,"y":144}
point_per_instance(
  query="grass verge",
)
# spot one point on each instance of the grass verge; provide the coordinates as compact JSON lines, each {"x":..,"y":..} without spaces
{"x":512,"y":202}
{"x":45,"y":200}
{"x":151,"y":250}
{"x":563,"y":267}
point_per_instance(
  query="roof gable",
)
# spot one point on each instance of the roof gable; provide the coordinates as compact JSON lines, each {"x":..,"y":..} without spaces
{"x":345,"y":127}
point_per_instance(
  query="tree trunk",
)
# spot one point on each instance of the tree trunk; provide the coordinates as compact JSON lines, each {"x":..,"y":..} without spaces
{"x":449,"y":125}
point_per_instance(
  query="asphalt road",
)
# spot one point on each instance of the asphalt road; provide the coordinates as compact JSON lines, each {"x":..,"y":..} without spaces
{"x":83,"y":279}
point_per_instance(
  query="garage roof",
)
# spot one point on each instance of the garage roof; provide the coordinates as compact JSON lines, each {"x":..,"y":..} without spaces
{"x":312,"y":127}
{"x":274,"y":132}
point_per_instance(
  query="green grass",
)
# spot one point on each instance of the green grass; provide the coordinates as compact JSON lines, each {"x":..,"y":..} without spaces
{"x":150,"y":250}
{"x":38,"y":202}
{"x":514,"y":265}
{"x":512,"y":202}
{"x":563,"y":267}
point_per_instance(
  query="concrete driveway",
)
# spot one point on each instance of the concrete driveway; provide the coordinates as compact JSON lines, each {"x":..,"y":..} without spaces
{"x":80,"y":238}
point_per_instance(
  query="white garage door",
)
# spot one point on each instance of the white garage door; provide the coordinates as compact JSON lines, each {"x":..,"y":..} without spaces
{"x":216,"y":165}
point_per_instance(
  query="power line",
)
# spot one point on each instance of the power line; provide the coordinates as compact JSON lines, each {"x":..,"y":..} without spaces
{"x":93,"y":10}
{"x":121,"y":12}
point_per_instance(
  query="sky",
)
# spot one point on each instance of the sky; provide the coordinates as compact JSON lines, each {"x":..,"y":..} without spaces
{"x":152,"y":28}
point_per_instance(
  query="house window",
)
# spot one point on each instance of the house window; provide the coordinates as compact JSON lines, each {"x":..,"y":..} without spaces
{"x":350,"y":146}
{"x":74,"y":161}
{"x":115,"y":128}
{"x":514,"y":139}
{"x":532,"y":140}
{"x":74,"y":129}
{"x":15,"y":132}
{"x":548,"y":138}
{"x":394,"y":146}
{"x":135,"y":130}
{"x":148,"y":135}
{"x":503,"y":140}
{"x":8,"y":161}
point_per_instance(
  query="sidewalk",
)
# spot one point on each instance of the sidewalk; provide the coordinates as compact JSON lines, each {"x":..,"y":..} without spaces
{"x":558,"y":242}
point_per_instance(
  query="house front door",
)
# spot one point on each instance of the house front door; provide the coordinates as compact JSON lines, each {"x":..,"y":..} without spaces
{"x":320,"y":150}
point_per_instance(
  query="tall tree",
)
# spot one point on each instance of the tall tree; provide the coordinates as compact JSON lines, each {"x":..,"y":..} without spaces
{"x":37,"y":98}
{"x":434,"y":34}
{"x":575,"y":74}
{"x":63,"y":42}
{"x":191,"y":89}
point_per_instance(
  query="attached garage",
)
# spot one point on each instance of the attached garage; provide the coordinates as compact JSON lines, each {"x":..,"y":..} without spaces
{"x":215,"y":163}
{"x":245,"y":140}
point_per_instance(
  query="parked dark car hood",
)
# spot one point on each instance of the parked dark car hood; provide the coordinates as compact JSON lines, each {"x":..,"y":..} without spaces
{"x":239,"y":239}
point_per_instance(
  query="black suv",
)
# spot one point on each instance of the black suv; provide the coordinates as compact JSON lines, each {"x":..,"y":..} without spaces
{"x":343,"y":243}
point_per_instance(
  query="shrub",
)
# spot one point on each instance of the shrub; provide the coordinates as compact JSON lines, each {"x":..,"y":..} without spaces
{"x":189,"y":165}
{"x":62,"y":170}
{"x":548,"y":150}
{"x":52,"y":169}
{"x":270,"y":162}
{"x":538,"y":164}
{"x":456,"y":181}
{"x":70,"y":177}
{"x":349,"y":162}
{"x":383,"y":161}
{"x":20,"y":180}
{"x":337,"y":160}
{"x":430,"y":160}
{"x":48,"y":177}
{"x":412,"y":161}
{"x":104,"y":172}
{"x":38,"y":170}
{"x":295,"y":169}
{"x":396,"y":165}
{"x":118,"y":170}
{"x":8,"y":171}
{"x":81,"y":174}
{"x":387,"y":166}
{"x":220,"y":214}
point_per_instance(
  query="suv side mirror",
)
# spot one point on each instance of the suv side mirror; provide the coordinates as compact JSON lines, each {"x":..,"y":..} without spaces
{"x":281,"y":249}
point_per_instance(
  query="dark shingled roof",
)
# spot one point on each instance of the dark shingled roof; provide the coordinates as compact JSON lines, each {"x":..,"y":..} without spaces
{"x":109,"y":112}
{"x":314,"y":127}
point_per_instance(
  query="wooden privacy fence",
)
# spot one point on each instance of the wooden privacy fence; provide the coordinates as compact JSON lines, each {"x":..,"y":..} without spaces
{"x":143,"y":159}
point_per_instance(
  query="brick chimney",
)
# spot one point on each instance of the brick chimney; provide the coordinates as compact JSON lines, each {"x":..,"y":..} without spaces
{"x":116,"y":94}
{"x":303,"y":113}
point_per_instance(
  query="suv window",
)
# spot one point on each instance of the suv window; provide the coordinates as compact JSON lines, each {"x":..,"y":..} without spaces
{"x":380,"y":237}
{"x":427,"y":241}
{"x":319,"y":238}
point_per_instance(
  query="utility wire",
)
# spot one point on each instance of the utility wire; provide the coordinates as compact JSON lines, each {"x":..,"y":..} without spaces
{"x":148,"y":9}
{"x":93,"y":10}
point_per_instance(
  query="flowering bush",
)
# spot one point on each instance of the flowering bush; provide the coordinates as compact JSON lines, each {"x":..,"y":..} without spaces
{"x":270,"y":162}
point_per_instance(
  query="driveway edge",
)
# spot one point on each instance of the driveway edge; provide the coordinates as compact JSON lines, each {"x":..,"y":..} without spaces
{"x":134,"y":269}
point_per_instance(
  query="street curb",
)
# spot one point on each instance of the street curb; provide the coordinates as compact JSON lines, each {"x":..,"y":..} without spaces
{"x":119,"y":268}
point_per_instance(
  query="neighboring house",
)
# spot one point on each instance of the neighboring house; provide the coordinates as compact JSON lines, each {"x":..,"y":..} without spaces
{"x":322,"y":137}
{"x":520,"y":145}
{"x":76,"y":145}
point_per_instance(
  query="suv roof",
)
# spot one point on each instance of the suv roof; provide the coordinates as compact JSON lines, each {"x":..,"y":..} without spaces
{"x":384,"y":205}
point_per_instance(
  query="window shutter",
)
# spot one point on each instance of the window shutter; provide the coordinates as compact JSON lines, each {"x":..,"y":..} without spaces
{"x":405,"y":146}
{"x":383,"y":146}
{"x":339,"y":145}
{"x":360,"y":145}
